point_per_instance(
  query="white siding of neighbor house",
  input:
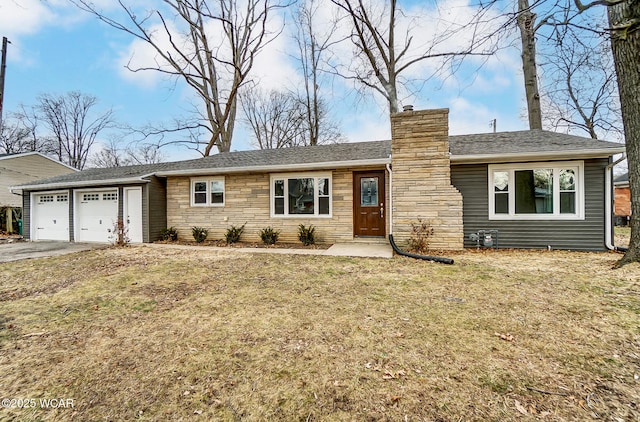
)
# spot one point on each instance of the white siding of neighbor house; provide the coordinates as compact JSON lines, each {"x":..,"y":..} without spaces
{"x":22,"y":169}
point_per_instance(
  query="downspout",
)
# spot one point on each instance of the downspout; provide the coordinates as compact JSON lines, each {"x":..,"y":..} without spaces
{"x":608,"y":188}
{"x":395,"y":247}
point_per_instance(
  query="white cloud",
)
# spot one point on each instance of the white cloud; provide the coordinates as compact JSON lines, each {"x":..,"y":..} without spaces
{"x":140,"y":54}
{"x":272,"y":67}
{"x":24,"y":17}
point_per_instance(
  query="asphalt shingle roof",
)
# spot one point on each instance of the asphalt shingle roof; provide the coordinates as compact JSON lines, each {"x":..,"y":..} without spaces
{"x":356,"y":151}
{"x":621,"y":178}
{"x":111,"y":173}
{"x":522,"y":142}
{"x":503,"y":143}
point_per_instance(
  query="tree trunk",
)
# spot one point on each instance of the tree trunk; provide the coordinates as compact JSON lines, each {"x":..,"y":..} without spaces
{"x":526,"y":23}
{"x":624,"y":18}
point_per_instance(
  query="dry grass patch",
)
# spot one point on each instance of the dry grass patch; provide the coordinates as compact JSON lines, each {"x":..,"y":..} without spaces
{"x":622,"y":235}
{"x":179,"y":334}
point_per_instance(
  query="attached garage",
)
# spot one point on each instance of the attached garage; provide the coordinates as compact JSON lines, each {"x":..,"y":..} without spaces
{"x":96,"y":215}
{"x":50,"y":216}
{"x":96,"y":200}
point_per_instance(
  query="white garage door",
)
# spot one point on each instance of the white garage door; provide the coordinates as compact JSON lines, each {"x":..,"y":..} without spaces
{"x":96,"y":214}
{"x":50,"y":216}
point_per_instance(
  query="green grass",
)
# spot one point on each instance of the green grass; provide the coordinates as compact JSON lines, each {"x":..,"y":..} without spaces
{"x":164,"y":334}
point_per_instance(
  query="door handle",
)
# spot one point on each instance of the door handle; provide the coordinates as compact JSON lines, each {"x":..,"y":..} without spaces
{"x":381,"y":210}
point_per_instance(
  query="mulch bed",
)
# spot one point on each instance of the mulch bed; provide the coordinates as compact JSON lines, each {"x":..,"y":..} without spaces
{"x":223,"y":244}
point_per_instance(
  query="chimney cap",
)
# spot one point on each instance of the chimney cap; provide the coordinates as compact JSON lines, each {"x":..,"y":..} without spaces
{"x":408,"y":107}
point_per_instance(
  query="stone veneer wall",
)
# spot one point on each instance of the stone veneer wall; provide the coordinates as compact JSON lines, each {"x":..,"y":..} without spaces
{"x":422,"y":178}
{"x":247,"y":200}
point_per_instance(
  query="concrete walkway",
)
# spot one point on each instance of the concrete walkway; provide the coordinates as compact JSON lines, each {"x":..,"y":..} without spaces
{"x":364,"y":250}
{"x":16,"y":251}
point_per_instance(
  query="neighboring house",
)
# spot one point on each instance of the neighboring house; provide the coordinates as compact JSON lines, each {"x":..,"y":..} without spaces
{"x":536,"y":188}
{"x":622,"y":199}
{"x":22,"y":168}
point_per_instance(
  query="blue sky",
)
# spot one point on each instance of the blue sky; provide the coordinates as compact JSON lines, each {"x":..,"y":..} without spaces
{"x":55,"y":48}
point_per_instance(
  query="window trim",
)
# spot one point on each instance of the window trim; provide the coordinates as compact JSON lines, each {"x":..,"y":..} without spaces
{"x":316,"y":195}
{"x":207,"y":181}
{"x":556,"y":166}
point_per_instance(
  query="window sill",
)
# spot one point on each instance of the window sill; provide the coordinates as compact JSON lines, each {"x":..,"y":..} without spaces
{"x":324,"y":216}
{"x":206,"y":205}
{"x":538,"y":217}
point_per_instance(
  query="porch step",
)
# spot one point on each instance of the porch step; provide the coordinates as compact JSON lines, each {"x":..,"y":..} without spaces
{"x":360,"y":249}
{"x":369,"y":241}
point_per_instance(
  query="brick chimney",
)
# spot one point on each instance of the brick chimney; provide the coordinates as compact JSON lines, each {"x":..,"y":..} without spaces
{"x":422,"y":186}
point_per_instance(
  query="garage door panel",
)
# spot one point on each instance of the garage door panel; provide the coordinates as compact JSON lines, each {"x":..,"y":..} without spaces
{"x":50,"y":216}
{"x":96,"y":215}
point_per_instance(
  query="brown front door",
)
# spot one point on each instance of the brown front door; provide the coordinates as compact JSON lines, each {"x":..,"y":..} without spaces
{"x":368,"y":204}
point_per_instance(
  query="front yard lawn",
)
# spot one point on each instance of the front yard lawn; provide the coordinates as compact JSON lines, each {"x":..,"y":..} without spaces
{"x":164,"y":334}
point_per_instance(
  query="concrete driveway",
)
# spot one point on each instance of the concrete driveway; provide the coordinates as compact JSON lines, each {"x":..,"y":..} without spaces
{"x":28,"y":250}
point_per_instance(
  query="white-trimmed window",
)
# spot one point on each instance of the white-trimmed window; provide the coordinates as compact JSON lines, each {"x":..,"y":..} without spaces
{"x":537,"y":191}
{"x":207,"y":192}
{"x":301,"y":195}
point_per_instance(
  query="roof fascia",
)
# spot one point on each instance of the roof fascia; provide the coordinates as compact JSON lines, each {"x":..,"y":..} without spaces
{"x":83,"y":183}
{"x":536,"y":156}
{"x":287,"y":167}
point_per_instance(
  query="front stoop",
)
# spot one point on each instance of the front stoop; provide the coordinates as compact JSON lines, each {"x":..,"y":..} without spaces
{"x":358,"y":248}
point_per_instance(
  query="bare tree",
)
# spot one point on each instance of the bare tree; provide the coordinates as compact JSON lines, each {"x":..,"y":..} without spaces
{"x":276,"y":119}
{"x":20,"y":133}
{"x":27,"y":118}
{"x":210,"y":45}
{"x":624,"y":21}
{"x":579,"y":85}
{"x":13,"y":138}
{"x":313,"y":47}
{"x":528,"y":27}
{"x":382,"y":55}
{"x":145,"y":154}
{"x":113,"y":155}
{"x":73,"y":125}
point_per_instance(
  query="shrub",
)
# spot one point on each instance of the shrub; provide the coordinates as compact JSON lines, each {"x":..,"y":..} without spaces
{"x":269,"y":236}
{"x":233,"y":233}
{"x":420,"y":236}
{"x":170,"y":233}
{"x":199,"y":234}
{"x":307,"y":235}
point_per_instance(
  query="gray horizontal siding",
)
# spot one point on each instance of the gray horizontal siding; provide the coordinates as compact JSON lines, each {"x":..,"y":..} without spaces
{"x":26,"y":215}
{"x":588,"y":234}
{"x":154,"y":208}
